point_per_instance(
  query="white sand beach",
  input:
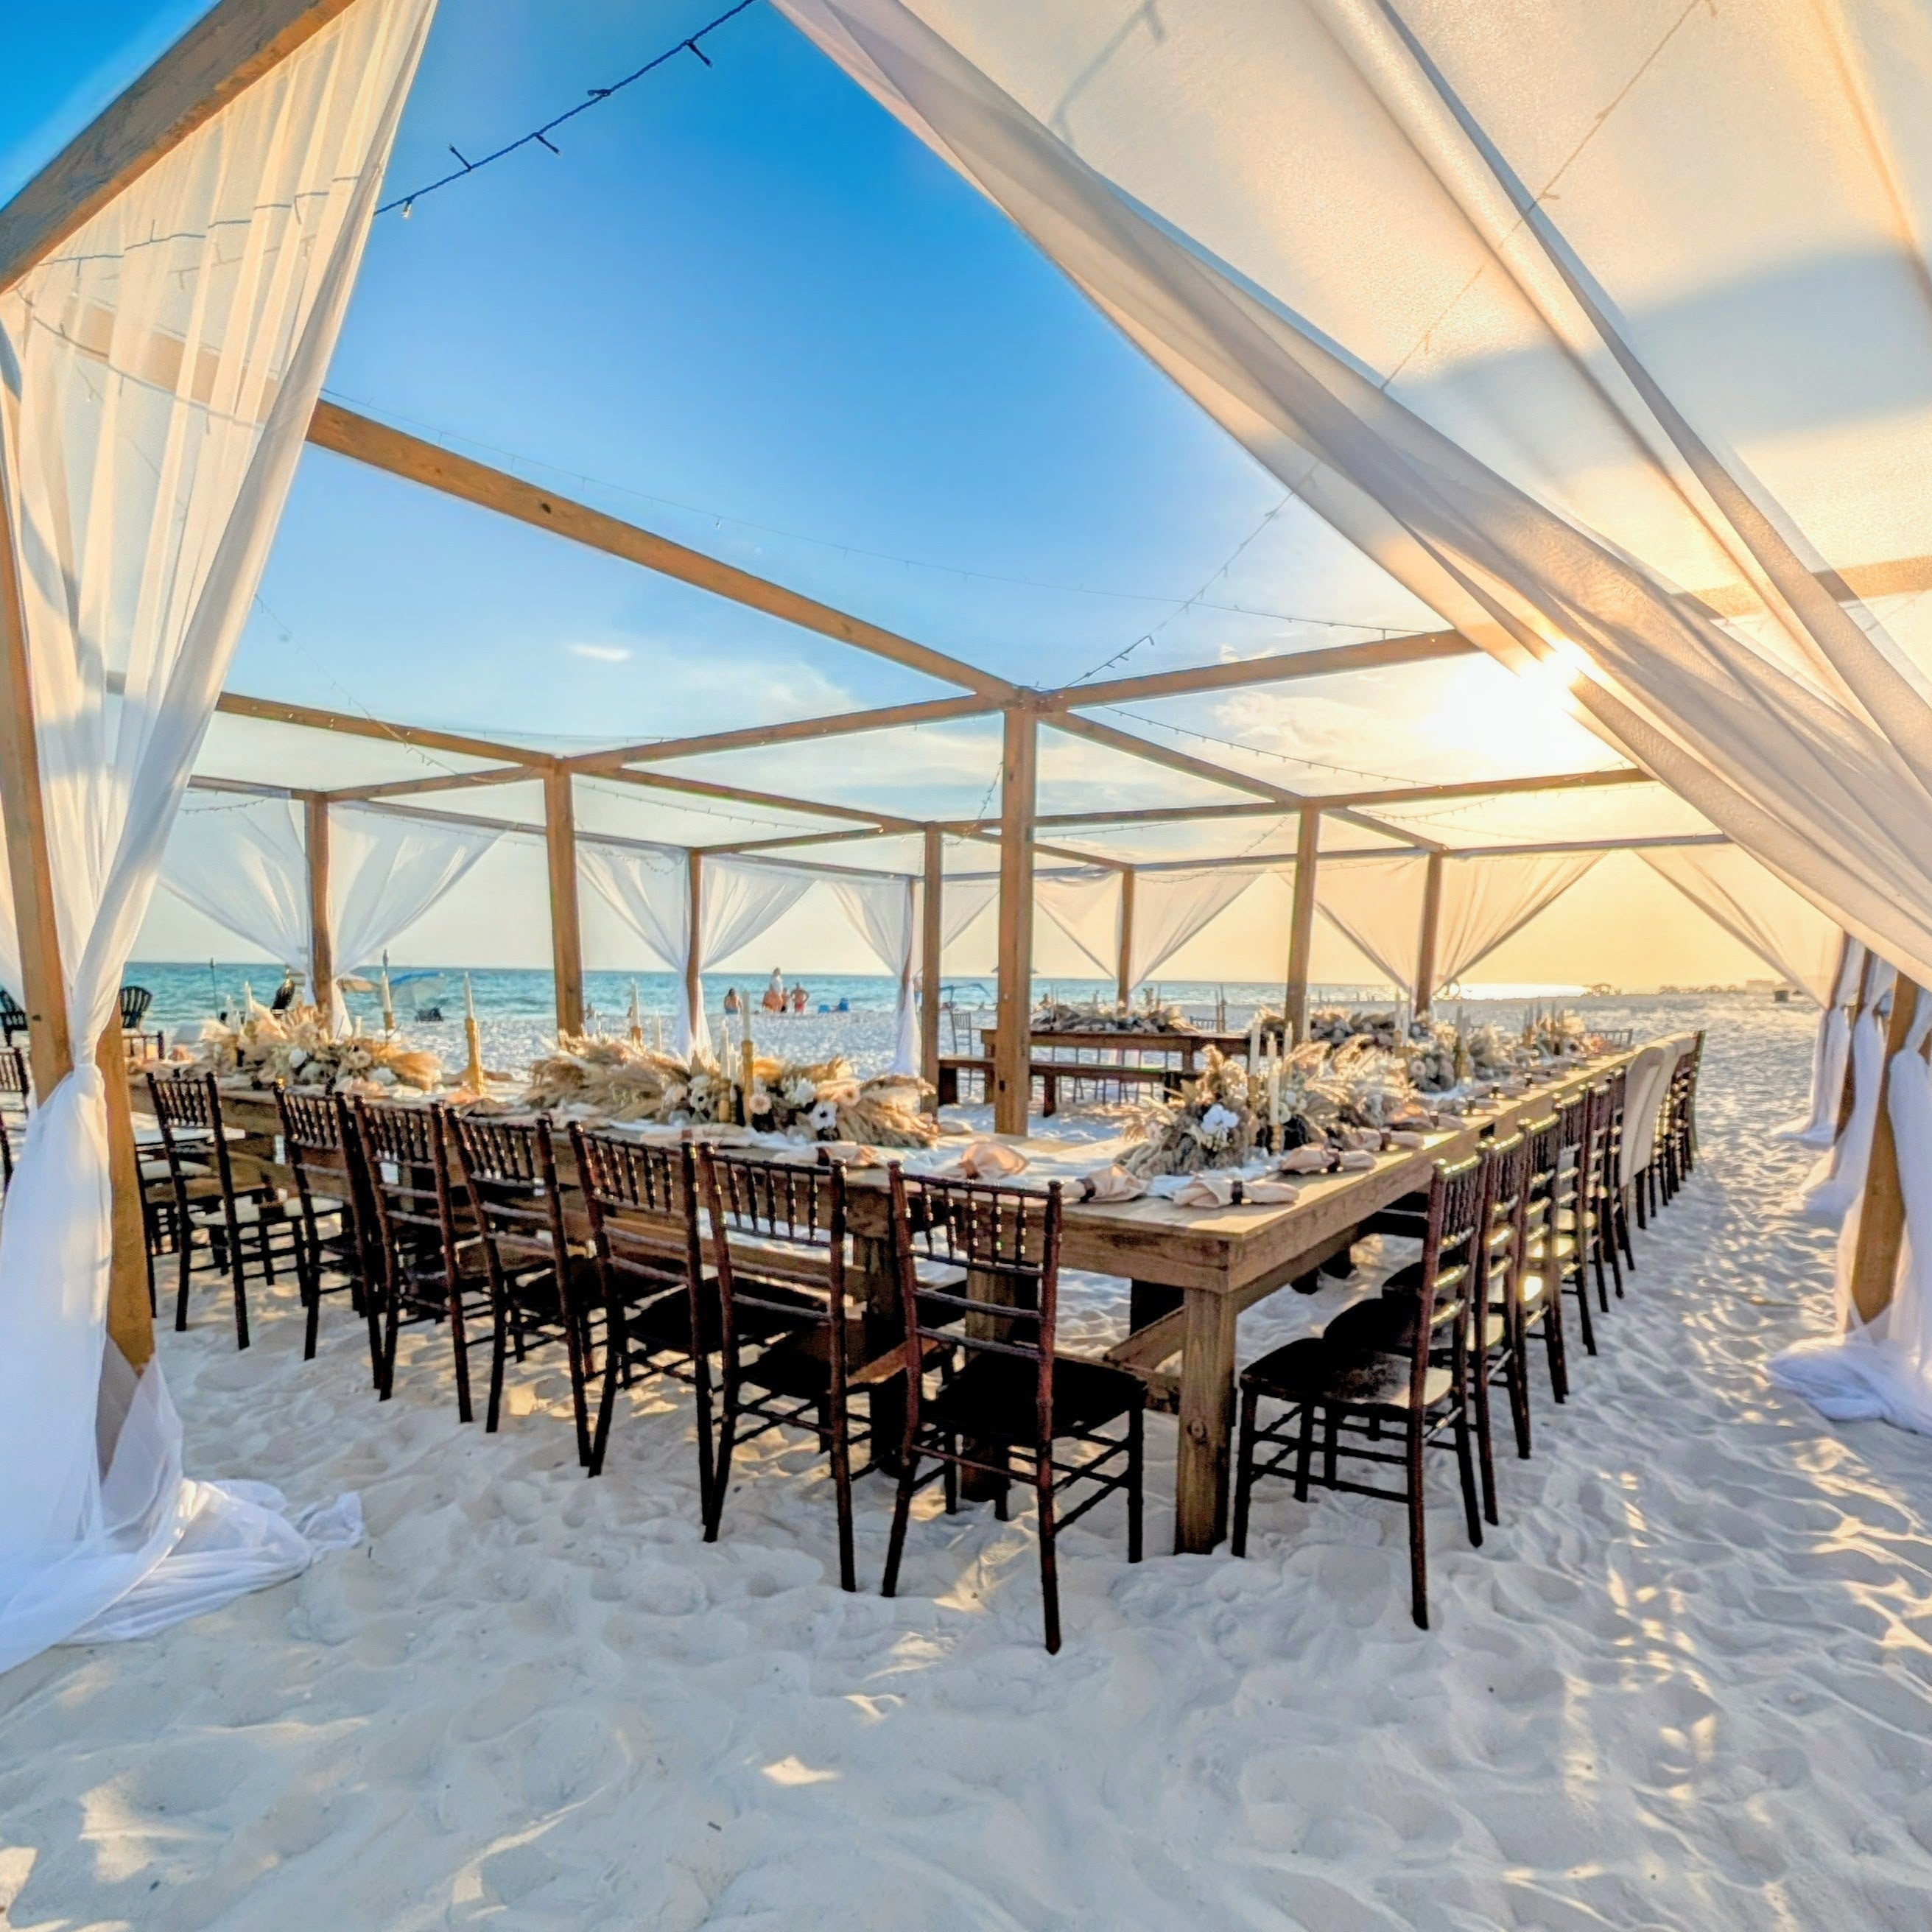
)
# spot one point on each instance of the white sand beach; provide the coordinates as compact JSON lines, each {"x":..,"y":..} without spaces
{"x":1688,"y":1685}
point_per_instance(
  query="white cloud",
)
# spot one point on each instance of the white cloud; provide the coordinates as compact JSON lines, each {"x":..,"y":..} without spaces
{"x":602,"y":653}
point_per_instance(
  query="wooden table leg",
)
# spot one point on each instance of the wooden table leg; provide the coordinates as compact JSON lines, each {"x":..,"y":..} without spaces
{"x":1207,"y":1422}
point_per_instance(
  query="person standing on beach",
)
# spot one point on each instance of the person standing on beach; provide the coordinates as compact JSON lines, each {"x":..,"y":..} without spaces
{"x":732,"y":1004}
{"x":775,"y":993}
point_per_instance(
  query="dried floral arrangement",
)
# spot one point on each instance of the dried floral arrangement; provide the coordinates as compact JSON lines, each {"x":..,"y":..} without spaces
{"x":1217,"y":1122}
{"x":1093,"y":1016}
{"x":1336,"y":1026}
{"x":299,"y":1048}
{"x":1558,"y":1035}
{"x":617,"y":1080}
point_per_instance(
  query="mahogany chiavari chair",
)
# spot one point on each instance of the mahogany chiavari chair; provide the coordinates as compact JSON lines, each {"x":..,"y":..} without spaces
{"x":1014,"y":1397}
{"x":318,"y":1144}
{"x":1387,"y":1381}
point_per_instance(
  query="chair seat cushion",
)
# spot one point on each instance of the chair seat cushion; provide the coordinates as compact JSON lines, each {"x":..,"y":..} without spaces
{"x":250,"y":1213}
{"x":996,"y":1395}
{"x":158,"y":1170}
{"x":1313,"y":1370}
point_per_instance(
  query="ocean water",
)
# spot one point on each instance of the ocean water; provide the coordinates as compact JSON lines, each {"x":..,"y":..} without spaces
{"x":186,"y":993}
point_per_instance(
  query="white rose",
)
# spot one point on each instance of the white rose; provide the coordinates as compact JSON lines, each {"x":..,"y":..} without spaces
{"x":298,"y":1059}
{"x":1217,"y":1123}
{"x":799,"y":1092}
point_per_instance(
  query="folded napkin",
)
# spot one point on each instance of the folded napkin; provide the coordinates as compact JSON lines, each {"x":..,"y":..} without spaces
{"x":983,"y":1160}
{"x":850,"y":1153}
{"x":1358,"y":1137}
{"x":1354,"y":1160}
{"x":1404,"y":1137}
{"x":1222,"y":1190}
{"x":1112,"y":1182}
{"x":1315,"y":1158}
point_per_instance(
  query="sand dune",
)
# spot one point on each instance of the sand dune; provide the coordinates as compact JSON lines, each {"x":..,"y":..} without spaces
{"x":1688,"y":1685}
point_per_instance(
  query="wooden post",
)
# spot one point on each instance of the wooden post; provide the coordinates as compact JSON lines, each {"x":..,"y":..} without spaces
{"x":1862,"y":999}
{"x":932,"y":938}
{"x":1432,"y":922}
{"x":1123,"y":973}
{"x":694,"y":980}
{"x":1301,"y":930}
{"x":566,"y":934}
{"x":1012,"y":1055}
{"x":1882,"y":1216}
{"x":321,"y":938}
{"x":44,"y":984}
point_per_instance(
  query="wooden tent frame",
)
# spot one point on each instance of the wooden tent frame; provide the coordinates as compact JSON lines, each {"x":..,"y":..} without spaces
{"x":235,"y":43}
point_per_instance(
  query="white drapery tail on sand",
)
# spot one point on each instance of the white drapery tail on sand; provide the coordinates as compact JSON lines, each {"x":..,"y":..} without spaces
{"x":1830,"y":1050}
{"x":157,"y":376}
{"x":1882,"y":1370}
{"x":1837,"y":1178}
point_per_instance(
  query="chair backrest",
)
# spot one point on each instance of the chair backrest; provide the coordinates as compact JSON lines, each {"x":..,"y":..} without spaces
{"x":776,"y":1223}
{"x":319,"y":1143}
{"x":1007,"y":1239}
{"x":643,"y":1205}
{"x":406,"y":1153}
{"x":16,"y":1077}
{"x":509,"y":1171}
{"x":187,"y":1109}
{"x":135,"y":1001}
{"x":1418,"y":1321}
{"x":1643,"y":1094}
{"x":1542,"y":1143}
{"x":1507,"y":1200}
{"x":13,"y":1015}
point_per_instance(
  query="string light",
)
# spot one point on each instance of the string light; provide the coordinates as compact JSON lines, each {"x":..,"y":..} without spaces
{"x":595,"y":96}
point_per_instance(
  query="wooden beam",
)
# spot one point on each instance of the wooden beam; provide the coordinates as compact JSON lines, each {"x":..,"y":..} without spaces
{"x":321,"y":931}
{"x":1124,"y":970}
{"x":217,"y":59}
{"x":752,"y":847}
{"x":333,"y":427}
{"x":932,"y":930}
{"x":1012,"y":1055}
{"x":1882,"y":1216}
{"x":931,"y":711}
{"x":1301,"y":925}
{"x":1663,"y":843}
{"x":694,"y":980}
{"x":1861,"y":997}
{"x":1378,"y":654}
{"x":873,"y":821}
{"x":566,"y":931}
{"x":312,"y":717}
{"x":493,"y":775}
{"x":1431,"y":927}
{"x":1093,"y":730}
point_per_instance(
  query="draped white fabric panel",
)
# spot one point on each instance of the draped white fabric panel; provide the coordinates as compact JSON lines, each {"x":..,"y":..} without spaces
{"x":1485,"y":901}
{"x":1829,"y":1052}
{"x":244,"y":863}
{"x":961,"y":902}
{"x":739,"y":899}
{"x":157,"y":373}
{"x":649,"y":888}
{"x":386,"y":869}
{"x":883,"y":911}
{"x":1170,"y":908}
{"x":1760,"y":912}
{"x":1836,"y":1182}
{"x":1377,"y":903}
{"x":1549,"y":413}
{"x":1085,"y":905}
{"x":1883,"y":1370}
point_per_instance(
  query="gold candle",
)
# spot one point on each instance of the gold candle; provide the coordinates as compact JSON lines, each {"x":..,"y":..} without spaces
{"x":637,"y":1024}
{"x":472,"y":1074}
{"x":746,"y":1062}
{"x":388,"y":1004}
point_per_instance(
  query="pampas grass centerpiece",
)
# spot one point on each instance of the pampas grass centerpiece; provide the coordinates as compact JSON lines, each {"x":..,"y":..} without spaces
{"x":299,"y":1048}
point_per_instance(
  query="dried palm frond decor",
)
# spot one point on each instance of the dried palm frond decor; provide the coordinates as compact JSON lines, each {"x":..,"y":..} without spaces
{"x":617,"y":1080}
{"x":1094,"y":1016}
{"x":1217,"y":1122}
{"x":299,"y":1048}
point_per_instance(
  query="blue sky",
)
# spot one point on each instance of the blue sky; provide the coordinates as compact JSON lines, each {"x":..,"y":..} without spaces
{"x":745,"y":308}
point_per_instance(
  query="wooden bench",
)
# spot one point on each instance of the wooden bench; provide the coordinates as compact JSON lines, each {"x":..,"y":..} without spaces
{"x":1049,"y":1075}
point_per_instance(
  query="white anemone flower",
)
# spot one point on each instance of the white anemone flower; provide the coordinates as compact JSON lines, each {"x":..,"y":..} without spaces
{"x":823,"y":1117}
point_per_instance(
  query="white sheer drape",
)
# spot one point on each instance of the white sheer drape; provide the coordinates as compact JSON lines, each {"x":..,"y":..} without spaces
{"x":1486,"y":901}
{"x":961,"y":902}
{"x":884,"y":911}
{"x":157,"y":376}
{"x":1883,"y":1370}
{"x":1830,"y":1050}
{"x":1338,"y":227}
{"x":1836,"y":1182}
{"x":739,"y":899}
{"x":1170,"y":908}
{"x":386,"y":869}
{"x":1084,"y":903}
{"x":649,"y":888}
{"x":244,"y":863}
{"x":1377,"y":904}
{"x":1760,"y":911}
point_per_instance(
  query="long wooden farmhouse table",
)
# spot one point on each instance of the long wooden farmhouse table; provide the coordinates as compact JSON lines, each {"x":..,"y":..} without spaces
{"x":1193,"y":1270}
